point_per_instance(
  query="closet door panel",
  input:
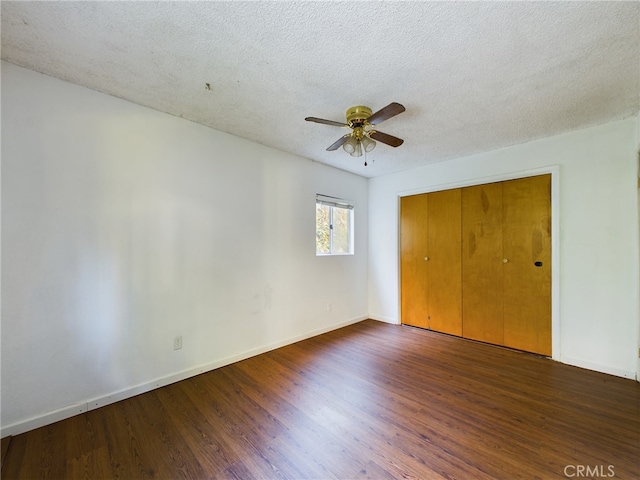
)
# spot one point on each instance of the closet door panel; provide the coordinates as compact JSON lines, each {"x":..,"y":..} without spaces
{"x":414,"y":272}
{"x":445,"y":267}
{"x":527,"y":274}
{"x":482,"y":263}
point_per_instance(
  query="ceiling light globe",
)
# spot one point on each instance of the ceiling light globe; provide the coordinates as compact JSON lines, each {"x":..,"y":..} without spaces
{"x":350,"y":145}
{"x":358,"y":150}
{"x":368,"y":144}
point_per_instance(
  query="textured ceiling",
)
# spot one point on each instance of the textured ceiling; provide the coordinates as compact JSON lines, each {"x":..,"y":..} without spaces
{"x":473,"y":76}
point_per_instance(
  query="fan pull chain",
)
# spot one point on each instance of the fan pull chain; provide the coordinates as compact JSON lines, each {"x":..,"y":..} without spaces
{"x":365,"y":158}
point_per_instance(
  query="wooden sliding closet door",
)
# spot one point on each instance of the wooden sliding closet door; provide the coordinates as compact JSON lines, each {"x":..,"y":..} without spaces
{"x":527,"y":273}
{"x":414,"y":285}
{"x":431,"y":273}
{"x":445,"y":269}
{"x":482,"y":263}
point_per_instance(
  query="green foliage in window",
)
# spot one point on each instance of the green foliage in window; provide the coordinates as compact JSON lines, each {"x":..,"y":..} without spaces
{"x":333,"y":229}
{"x":323,"y":229}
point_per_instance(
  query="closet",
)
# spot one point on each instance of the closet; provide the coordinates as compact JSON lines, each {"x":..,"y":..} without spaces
{"x":476,"y":262}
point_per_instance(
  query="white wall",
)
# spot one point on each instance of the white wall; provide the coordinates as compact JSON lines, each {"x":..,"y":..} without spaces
{"x":596,"y":300}
{"x":123,"y":227}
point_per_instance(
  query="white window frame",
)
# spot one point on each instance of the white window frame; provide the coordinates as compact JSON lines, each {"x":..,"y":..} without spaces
{"x":333,"y":203}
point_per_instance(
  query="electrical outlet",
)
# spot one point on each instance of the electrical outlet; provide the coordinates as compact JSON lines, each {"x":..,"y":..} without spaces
{"x":329,"y":307}
{"x":177,"y":342}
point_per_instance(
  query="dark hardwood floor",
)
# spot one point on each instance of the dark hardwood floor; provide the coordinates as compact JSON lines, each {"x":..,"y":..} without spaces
{"x":371,"y":400}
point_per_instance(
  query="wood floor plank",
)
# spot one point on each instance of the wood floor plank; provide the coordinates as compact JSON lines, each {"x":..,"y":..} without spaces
{"x":5,"y":447}
{"x":211,"y":449}
{"x":235,"y":471}
{"x":129,"y":457}
{"x":87,"y":454}
{"x":44,"y":454}
{"x":12,"y":464}
{"x":371,"y":400}
{"x":243,"y":436}
{"x":301,"y":438}
{"x":164,"y":440}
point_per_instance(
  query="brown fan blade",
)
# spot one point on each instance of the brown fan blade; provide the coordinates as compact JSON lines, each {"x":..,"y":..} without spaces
{"x":326,"y":122}
{"x":386,"y":138}
{"x":339,"y":143}
{"x":385,"y":113}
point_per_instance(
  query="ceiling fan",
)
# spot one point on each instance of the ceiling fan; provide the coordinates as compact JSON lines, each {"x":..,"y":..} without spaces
{"x":363,"y":135}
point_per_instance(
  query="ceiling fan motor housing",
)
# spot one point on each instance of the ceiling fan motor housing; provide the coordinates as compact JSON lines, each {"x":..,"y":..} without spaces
{"x":357,"y":116}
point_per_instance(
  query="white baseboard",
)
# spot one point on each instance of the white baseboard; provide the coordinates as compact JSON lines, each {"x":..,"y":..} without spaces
{"x":48,"y":418}
{"x":38,"y":421}
{"x":385,"y":319}
{"x":618,"y":372}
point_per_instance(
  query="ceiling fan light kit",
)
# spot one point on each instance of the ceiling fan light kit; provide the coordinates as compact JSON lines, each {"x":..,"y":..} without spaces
{"x":363,"y":136}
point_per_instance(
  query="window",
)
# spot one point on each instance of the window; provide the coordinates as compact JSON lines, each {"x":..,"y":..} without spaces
{"x":334,"y":226}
